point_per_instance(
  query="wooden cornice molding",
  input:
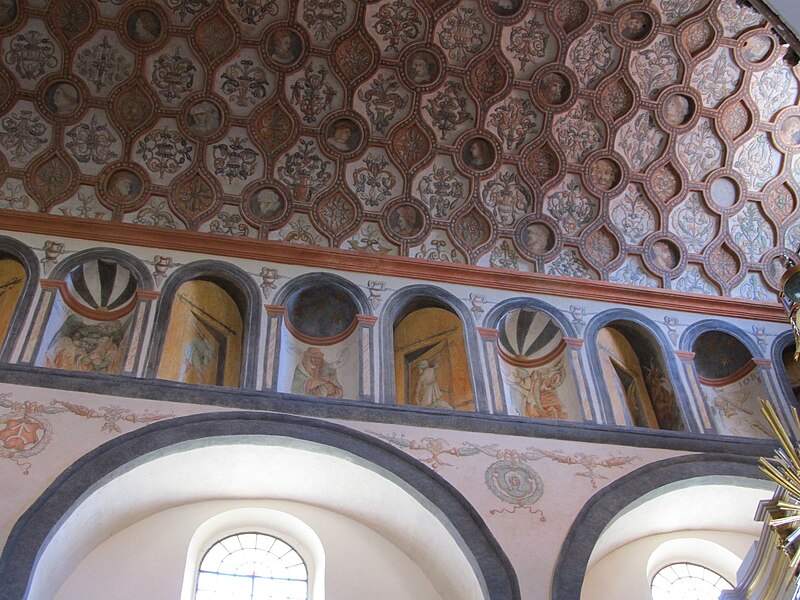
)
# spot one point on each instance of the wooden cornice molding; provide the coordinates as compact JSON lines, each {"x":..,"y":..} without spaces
{"x":394,"y":266}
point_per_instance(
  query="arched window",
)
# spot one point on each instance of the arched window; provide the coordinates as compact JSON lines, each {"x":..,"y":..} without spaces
{"x":687,"y":581}
{"x":249,"y":566}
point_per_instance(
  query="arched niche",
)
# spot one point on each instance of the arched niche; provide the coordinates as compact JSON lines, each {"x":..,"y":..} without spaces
{"x":787,"y":368}
{"x":207,"y":327}
{"x":538,"y":360}
{"x":325,"y":338}
{"x":429,"y":338}
{"x":635,"y":375}
{"x":19,"y":275}
{"x":88,"y":312}
{"x":252,"y":459}
{"x":673,"y":499}
{"x":729,"y":378}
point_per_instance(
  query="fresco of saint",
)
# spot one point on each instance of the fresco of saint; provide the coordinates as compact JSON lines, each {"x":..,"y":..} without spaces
{"x":315,"y":376}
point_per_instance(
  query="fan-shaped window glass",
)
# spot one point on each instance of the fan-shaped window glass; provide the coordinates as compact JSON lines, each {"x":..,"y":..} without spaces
{"x":251,"y":566}
{"x":686,"y":581}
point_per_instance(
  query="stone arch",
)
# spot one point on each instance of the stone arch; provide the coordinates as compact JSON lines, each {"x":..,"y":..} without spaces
{"x":605,"y":505}
{"x":662,"y":344}
{"x":38,"y":529}
{"x":694,"y":331}
{"x":245,"y":293}
{"x":414,"y":297}
{"x":779,"y":346}
{"x":11,"y":248}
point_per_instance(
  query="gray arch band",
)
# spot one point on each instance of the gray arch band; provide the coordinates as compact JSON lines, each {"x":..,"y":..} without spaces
{"x":36,"y":527}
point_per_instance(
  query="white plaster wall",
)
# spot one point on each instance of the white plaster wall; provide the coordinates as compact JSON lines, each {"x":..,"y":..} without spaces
{"x":623,"y":574}
{"x":147,"y":559}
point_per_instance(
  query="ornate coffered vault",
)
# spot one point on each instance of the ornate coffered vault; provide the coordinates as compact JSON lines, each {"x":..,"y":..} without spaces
{"x":652,"y":143}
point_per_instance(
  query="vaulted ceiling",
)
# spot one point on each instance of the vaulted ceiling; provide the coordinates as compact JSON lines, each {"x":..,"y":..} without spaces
{"x":653,"y":143}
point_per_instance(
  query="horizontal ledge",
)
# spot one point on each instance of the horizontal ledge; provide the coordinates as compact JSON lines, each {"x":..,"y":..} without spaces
{"x":355,"y":410}
{"x":394,"y":266}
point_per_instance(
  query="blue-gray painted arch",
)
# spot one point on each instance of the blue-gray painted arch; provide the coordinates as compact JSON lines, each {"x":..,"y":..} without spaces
{"x":661,"y":342}
{"x":695,"y":330}
{"x":21,"y":253}
{"x":34,"y":530}
{"x":143,"y":276}
{"x":313,"y":279}
{"x":779,"y":345}
{"x":500,"y":309}
{"x":603,"y":507}
{"x":244,"y":292}
{"x":413,"y":297}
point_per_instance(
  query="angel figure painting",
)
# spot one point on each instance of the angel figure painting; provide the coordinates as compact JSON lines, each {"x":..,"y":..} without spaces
{"x":533,"y":391}
{"x":89,"y":346}
{"x":430,"y":357}
{"x":315,"y":376}
{"x":735,"y":407}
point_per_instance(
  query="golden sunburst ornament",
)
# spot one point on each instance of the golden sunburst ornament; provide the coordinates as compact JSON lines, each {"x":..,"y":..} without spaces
{"x":784,"y":469}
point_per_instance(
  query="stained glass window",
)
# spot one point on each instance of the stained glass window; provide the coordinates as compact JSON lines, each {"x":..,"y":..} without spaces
{"x":252,"y":566}
{"x":686,"y":581}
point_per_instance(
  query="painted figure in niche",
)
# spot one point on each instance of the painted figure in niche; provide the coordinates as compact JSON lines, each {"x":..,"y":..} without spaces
{"x":635,"y":26}
{"x":315,"y":376}
{"x":534,"y":391}
{"x":203,"y":343}
{"x":8,"y":12}
{"x":62,"y":99}
{"x":427,"y":391}
{"x":143,"y":26}
{"x":90,"y":347}
{"x":284,"y":46}
{"x":422,"y":67}
{"x":554,"y":89}
{"x":343,"y":135}
{"x":735,"y":408}
{"x":430,"y":361}
{"x":790,"y":131}
{"x":625,"y":379}
{"x":478,"y":153}
{"x":12,"y":281}
{"x":203,"y":117}
{"x":661,"y":395}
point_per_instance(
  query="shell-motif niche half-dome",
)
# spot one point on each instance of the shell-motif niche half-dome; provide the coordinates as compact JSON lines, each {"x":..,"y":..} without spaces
{"x":528,"y":336}
{"x":102,"y":285}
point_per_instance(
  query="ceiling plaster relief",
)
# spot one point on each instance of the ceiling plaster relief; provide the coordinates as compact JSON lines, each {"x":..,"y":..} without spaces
{"x":564,"y":138}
